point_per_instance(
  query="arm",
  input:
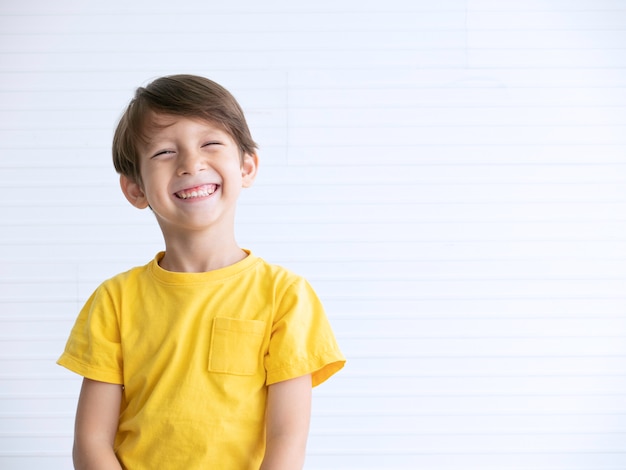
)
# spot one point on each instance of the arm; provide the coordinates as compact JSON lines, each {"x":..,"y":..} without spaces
{"x":287,"y":424}
{"x":96,"y":425}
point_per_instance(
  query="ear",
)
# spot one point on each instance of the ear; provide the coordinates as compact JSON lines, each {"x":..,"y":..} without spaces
{"x":133,"y":192}
{"x":249,"y":168}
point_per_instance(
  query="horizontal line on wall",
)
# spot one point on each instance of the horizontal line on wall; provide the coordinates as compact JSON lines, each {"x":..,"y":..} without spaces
{"x":342,"y":107}
{"x":356,"y":375}
{"x":402,"y":260}
{"x":376,"y":335}
{"x":520,"y":7}
{"x":40,"y":377}
{"x":41,"y":415}
{"x":318,"y":219}
{"x":413,"y":242}
{"x":347,"y":30}
{"x":286,"y":14}
{"x":552,"y":145}
{"x":461,"y":414}
{"x":277,"y":203}
{"x":379,"y":184}
{"x":291,"y":88}
{"x":277,"y":31}
{"x":534,"y":67}
{"x":480,"y":356}
{"x":47,"y":357}
{"x":393,"y":456}
{"x":283,"y":10}
{"x":348,"y":414}
{"x":286,"y":10}
{"x":352,"y":316}
{"x":430,"y":105}
{"x":35,"y":454}
{"x":404,"y":298}
{"x":385,"y":373}
{"x":31,"y":396}
{"x":353,"y":394}
{"x":281,"y":84}
{"x":45,"y":51}
{"x":366,"y":278}
{"x":378,"y":128}
{"x":392,"y":432}
{"x":366,"y":165}
{"x":374,"y":298}
{"x":56,"y":300}
{"x":395,"y":453}
{"x":18,"y":435}
{"x":359,"y":432}
{"x":409,"y":413}
{"x":375,"y":67}
{"x":386,"y":298}
{"x":409,"y":394}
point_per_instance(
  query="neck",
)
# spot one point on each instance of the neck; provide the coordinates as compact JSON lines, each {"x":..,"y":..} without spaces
{"x":196,"y":256}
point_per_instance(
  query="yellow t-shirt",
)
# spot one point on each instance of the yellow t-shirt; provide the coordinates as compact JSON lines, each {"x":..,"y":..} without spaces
{"x":195,"y":353}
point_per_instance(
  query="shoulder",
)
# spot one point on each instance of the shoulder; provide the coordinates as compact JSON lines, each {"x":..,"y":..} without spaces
{"x":123,"y":279}
{"x":278,"y":275}
{"x":287,"y":288}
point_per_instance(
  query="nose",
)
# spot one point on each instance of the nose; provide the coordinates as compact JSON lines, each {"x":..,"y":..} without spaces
{"x":190,"y":162}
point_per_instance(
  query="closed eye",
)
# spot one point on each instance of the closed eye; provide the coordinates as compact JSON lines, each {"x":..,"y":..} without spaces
{"x":213,"y":142}
{"x":162,"y":152}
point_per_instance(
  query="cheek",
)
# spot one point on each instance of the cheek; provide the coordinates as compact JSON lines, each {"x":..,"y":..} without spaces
{"x":151,"y":189}
{"x":152,"y":177}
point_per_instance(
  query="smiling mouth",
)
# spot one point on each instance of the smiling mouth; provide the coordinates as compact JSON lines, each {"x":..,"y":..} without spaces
{"x":199,"y":191}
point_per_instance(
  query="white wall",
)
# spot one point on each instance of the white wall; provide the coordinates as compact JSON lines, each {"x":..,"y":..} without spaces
{"x":450,"y":175}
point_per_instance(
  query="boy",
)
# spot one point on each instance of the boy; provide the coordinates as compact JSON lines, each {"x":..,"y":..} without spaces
{"x":205,"y":357}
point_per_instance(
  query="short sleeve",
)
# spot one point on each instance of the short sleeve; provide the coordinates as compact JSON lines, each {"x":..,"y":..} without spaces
{"x":302,"y":341}
{"x":93,"y":349}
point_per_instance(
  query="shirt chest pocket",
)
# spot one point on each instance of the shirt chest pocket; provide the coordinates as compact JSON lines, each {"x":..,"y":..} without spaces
{"x":236,"y":346}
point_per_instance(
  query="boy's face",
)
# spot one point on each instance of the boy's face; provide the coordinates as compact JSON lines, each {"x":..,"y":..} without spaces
{"x":192,"y":174}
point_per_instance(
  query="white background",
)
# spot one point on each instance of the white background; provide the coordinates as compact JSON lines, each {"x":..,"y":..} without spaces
{"x":450,"y":175}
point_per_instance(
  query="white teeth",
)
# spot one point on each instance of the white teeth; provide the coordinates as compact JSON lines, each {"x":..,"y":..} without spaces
{"x":197,"y":192}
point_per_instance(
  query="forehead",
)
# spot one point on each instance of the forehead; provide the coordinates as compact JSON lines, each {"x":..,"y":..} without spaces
{"x":155,"y":124}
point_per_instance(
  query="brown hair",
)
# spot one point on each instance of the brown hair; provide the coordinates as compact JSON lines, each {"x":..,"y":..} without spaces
{"x":176,"y":95}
